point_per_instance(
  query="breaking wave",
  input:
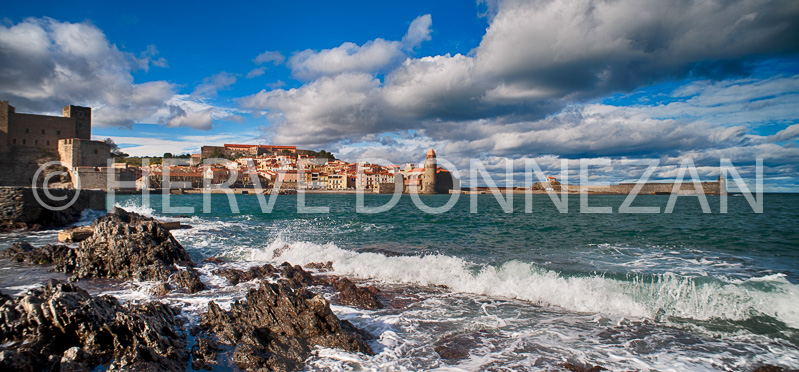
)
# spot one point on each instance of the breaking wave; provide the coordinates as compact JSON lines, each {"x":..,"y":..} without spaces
{"x":634,"y":295}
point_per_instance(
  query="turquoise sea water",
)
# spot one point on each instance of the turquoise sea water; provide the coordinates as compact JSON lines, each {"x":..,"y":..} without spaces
{"x":685,"y":290}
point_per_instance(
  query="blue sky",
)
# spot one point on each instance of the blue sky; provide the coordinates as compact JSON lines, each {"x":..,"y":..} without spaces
{"x":491,"y":80}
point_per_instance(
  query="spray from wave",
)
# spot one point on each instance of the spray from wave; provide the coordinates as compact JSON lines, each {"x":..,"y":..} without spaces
{"x":636,"y":295}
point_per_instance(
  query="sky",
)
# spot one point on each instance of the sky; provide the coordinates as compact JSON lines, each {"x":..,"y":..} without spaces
{"x":492,"y":80}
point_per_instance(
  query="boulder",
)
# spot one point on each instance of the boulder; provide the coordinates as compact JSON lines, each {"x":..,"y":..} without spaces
{"x":236,"y":276}
{"x":75,"y":234}
{"x":205,"y":353}
{"x":189,"y":280}
{"x":126,"y":245}
{"x":277,"y":326}
{"x":351,"y":294}
{"x":61,"y":327}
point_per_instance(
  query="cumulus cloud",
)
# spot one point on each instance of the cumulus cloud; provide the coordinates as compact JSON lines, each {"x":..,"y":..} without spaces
{"x":536,"y":58}
{"x":589,"y":47}
{"x":46,"y":64}
{"x":418,"y":32}
{"x":371,"y":57}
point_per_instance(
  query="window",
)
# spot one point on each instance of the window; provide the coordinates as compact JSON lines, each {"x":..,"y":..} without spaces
{"x":58,"y":132}
{"x":27,"y":130}
{"x":80,"y":124}
{"x":23,"y":141}
{"x":95,"y":152}
{"x":15,"y":141}
{"x":48,"y":142}
{"x":36,"y":142}
{"x":42,"y":131}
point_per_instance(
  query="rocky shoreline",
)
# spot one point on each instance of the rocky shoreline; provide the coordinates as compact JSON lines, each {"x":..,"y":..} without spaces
{"x":275,"y":327}
{"x":61,"y":327}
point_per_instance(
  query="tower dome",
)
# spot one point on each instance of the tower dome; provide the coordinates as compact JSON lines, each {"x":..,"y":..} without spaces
{"x":431,"y":153}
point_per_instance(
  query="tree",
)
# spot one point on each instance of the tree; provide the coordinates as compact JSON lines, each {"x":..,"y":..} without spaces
{"x":167,"y":155}
{"x":115,"y":150}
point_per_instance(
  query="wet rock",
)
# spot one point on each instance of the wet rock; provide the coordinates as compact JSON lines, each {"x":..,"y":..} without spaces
{"x":126,"y":245}
{"x":770,"y":368}
{"x":205,"y":353}
{"x":583,"y":368}
{"x":27,"y":253}
{"x":214,"y":260}
{"x":351,"y":294}
{"x":161,"y":289}
{"x":75,"y":234}
{"x":458,"y":346}
{"x":296,"y":276}
{"x":320,"y":266}
{"x":277,"y":326}
{"x":236,"y":276}
{"x":189,"y":280}
{"x":61,"y":327}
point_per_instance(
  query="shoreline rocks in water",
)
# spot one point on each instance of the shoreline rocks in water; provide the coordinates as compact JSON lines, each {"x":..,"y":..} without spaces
{"x":121,"y":245}
{"x":61,"y":327}
{"x":277,"y":326}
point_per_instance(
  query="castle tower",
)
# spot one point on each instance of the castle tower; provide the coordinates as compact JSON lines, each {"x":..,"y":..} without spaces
{"x":83,"y":120}
{"x":429,"y":178}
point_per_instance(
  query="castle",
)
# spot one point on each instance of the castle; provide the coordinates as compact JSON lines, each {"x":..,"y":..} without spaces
{"x":41,"y":131}
{"x":27,"y":139}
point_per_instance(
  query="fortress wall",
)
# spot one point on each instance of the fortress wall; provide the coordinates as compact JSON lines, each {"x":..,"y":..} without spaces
{"x":39,"y":130}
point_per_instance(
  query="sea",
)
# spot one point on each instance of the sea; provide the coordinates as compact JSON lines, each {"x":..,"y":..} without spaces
{"x":536,"y":284}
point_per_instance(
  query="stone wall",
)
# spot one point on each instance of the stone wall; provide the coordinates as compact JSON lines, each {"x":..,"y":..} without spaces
{"x":84,"y":153}
{"x":42,"y":131}
{"x":20,"y":209}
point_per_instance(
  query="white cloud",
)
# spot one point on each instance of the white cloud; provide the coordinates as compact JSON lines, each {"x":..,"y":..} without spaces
{"x":371,"y":57}
{"x":46,"y":64}
{"x":256,"y":72}
{"x":269,"y":56}
{"x":212,"y":84}
{"x":418,"y":32}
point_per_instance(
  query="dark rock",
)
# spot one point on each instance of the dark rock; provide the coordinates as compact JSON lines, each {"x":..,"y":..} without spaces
{"x":296,"y":276}
{"x":583,"y":368}
{"x":161,"y":289}
{"x":277,"y":326}
{"x":770,"y":368}
{"x":126,"y":245}
{"x":214,"y":260}
{"x":457,"y":346}
{"x":321,"y":267}
{"x":351,"y":294}
{"x":75,"y":234}
{"x":25,"y":252}
{"x":205,"y":353}
{"x":236,"y":276}
{"x":61,"y":327}
{"x":189,"y":280}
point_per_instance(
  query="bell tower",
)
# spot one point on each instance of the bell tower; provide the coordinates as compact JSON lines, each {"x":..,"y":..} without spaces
{"x":429,"y":178}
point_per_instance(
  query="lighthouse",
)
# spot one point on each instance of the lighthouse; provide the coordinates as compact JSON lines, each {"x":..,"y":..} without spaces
{"x":429,"y":178}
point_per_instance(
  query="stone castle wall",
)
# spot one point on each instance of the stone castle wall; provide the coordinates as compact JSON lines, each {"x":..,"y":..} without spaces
{"x":42,"y":131}
{"x":84,"y":153}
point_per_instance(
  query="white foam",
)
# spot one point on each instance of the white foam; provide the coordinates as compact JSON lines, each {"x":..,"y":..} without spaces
{"x":640,"y":296}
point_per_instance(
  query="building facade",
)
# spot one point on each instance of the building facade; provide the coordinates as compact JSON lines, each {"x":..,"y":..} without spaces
{"x":42,"y":131}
